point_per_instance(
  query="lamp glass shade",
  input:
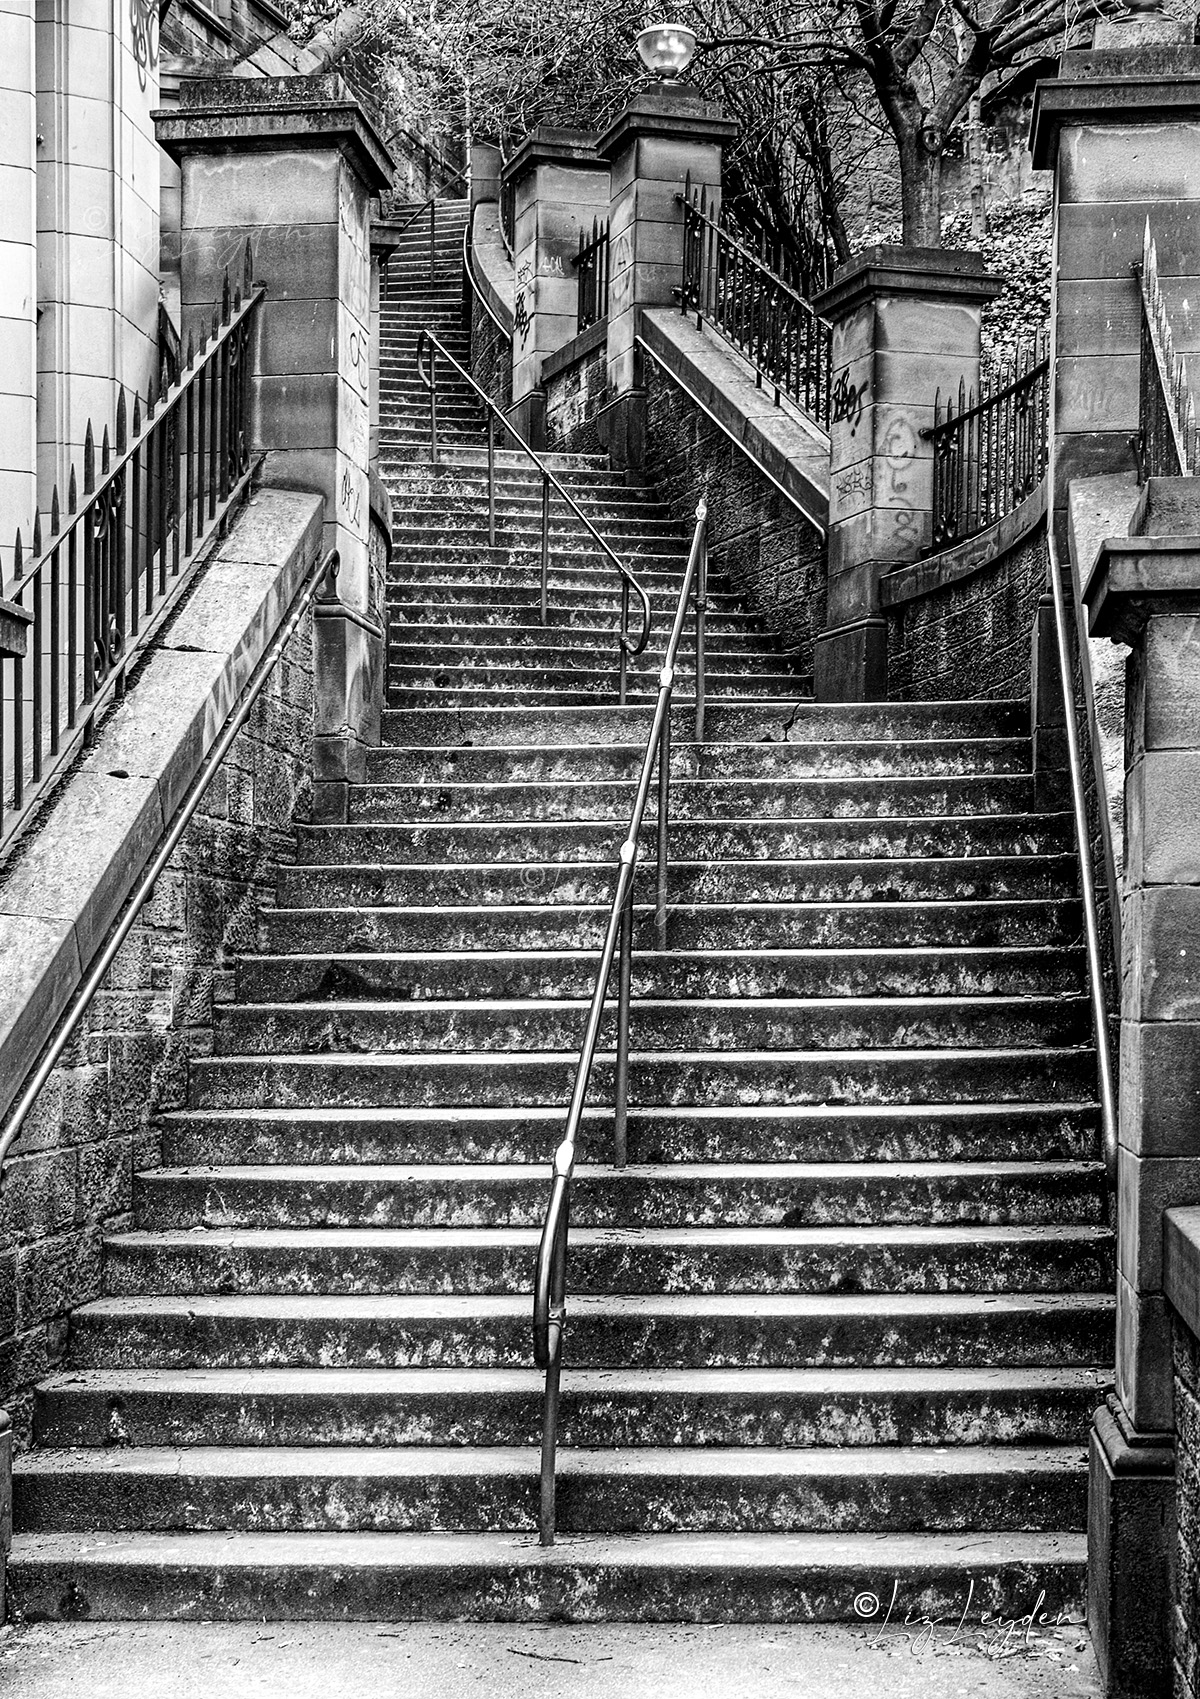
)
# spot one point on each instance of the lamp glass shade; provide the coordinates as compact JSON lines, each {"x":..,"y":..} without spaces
{"x":666,"y":50}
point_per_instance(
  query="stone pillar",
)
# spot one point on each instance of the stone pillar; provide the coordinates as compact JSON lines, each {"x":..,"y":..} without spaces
{"x":291,"y":164}
{"x":18,"y":279}
{"x":1120,"y":127}
{"x":667,"y":136}
{"x":905,"y":327}
{"x":1145,"y":591}
{"x":485,"y":173}
{"x":560,"y":187}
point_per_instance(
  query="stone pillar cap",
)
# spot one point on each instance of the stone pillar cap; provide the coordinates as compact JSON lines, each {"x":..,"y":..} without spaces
{"x":1147,"y":85}
{"x":679,"y":111}
{"x":273,"y":115}
{"x":940,"y":274}
{"x":547,"y":144}
{"x":1134,"y":578}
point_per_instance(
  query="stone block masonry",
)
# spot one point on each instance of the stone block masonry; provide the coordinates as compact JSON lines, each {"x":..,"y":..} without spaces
{"x":71,"y":1178}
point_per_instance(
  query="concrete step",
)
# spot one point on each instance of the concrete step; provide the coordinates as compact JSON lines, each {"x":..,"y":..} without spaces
{"x":580,"y":630}
{"x":807,"y":722}
{"x":719,"y":1025}
{"x":853,"y":796}
{"x":611,"y":1260}
{"x":887,"y":879}
{"x":501,"y":1079}
{"x":515,"y":842}
{"x":600,"y":1407}
{"x":877,"y":1132}
{"x":487,"y":1489}
{"x":463,"y":1577}
{"x":674,"y":973}
{"x":709,"y":926}
{"x":528,"y":689}
{"x":759,"y":1330}
{"x":577,"y":763}
{"x":817,"y":1198}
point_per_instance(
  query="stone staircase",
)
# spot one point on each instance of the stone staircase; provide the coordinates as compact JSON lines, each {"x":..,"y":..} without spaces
{"x":836,"y":1331}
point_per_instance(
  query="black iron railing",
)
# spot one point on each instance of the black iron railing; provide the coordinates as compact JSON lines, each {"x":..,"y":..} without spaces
{"x":990,"y":451}
{"x":550,"y":1274}
{"x":1166,"y":439}
{"x":591,"y":264}
{"x":765,"y":318}
{"x":508,"y":214}
{"x":120,"y":550}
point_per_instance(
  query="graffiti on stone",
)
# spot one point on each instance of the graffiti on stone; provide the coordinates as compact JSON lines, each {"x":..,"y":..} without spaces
{"x":897,"y":453}
{"x":846,"y":401}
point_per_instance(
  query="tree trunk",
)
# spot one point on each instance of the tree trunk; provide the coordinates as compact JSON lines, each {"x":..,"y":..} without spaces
{"x":921,"y":190}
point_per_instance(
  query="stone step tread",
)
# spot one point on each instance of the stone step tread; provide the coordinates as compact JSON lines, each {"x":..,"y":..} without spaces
{"x":398,"y":1384}
{"x":746,"y":1463}
{"x":1040,"y":824}
{"x":462,"y":1308}
{"x":967,"y":906}
{"x":495,"y":1060}
{"x":503,"y":1007}
{"x":494,"y":1173}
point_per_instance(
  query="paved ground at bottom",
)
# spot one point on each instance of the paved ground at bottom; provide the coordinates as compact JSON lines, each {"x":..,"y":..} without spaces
{"x":611,"y":1661}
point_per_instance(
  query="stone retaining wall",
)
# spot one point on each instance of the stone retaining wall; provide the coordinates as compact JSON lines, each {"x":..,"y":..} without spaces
{"x":576,"y":394}
{"x":93,"y":1126}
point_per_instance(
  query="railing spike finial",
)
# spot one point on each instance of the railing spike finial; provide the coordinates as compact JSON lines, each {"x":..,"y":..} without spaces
{"x":37,"y":534}
{"x":121,"y":421}
{"x":137,"y":414}
{"x":164,"y":379}
{"x":191,"y":351}
{"x":248,"y":267}
{"x":89,"y":460}
{"x":54,"y":521}
{"x":18,"y":555}
{"x":225,"y":297}
{"x":105,"y":452}
{"x":72,"y":497}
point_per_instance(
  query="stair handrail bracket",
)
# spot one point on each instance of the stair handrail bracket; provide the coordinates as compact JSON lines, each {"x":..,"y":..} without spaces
{"x":430,"y":348}
{"x":550,"y":1275}
{"x":122,"y":549}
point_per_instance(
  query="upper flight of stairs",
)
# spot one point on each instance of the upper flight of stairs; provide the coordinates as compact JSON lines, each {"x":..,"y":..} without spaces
{"x":838,"y":1326}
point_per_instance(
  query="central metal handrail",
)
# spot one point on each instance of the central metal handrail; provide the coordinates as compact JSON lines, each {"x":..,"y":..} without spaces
{"x":428,"y":343}
{"x":1087,"y":882}
{"x":550,"y":1280}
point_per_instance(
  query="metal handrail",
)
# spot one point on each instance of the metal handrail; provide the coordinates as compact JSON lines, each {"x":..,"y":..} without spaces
{"x":472,"y":284}
{"x":124,"y":550}
{"x":1091,"y":920}
{"x":82,"y":999}
{"x":429,"y":205}
{"x":428,"y":342}
{"x":550,"y":1280}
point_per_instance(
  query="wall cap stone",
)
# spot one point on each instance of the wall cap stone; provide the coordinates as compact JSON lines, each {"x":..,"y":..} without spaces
{"x":680,"y":112}
{"x":579,"y":347}
{"x":492,"y":273}
{"x":1135,"y":578}
{"x":1181,"y":1264}
{"x":965,"y":559}
{"x":271,"y":115}
{"x":890,"y":268}
{"x":547,"y":144}
{"x":65,"y":886}
{"x":1172,"y":97}
{"x":794,"y":456}
{"x":14,"y":624}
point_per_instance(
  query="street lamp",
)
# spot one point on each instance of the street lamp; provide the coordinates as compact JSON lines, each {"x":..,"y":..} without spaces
{"x":666,"y":50}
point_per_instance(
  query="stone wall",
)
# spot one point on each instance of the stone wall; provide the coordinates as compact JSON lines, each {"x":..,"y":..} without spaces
{"x":970,"y":637}
{"x":491,"y":355}
{"x":576,"y":394}
{"x":93,"y":1126}
{"x":760,"y":546}
{"x":1186,"y":1626}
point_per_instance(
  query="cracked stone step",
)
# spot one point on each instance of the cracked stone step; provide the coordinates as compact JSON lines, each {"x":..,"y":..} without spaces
{"x":672,"y":1197}
{"x":500,"y":1078}
{"x":611,"y":1260}
{"x":763,"y":1330}
{"x":673,"y":973}
{"x":599,"y":1407}
{"x":968,"y":1132}
{"x":465,"y":1489}
{"x":471,"y":1577}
